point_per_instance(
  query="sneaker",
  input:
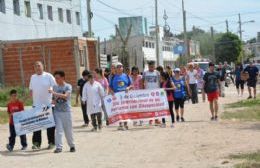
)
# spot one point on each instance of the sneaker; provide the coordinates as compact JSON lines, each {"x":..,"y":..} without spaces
{"x":100,"y":127}
{"x":178,"y":118}
{"x":212,"y":118}
{"x":250,"y":97}
{"x":36,"y":147}
{"x":58,"y":150}
{"x":72,"y":149}
{"x":135,"y":123}
{"x":126,"y":127}
{"x":24,"y":148}
{"x":107,"y":123}
{"x":216,"y":118}
{"x":255,"y":97}
{"x":172,"y":125}
{"x":9,"y":148}
{"x":182,"y":119}
{"x":94,"y":130}
{"x":51,"y":146}
{"x":84,"y":125}
{"x":120,"y":128}
{"x":163,"y":125}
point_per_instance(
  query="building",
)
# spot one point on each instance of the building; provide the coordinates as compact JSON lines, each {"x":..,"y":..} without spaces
{"x":33,"y":19}
{"x":254,"y":49}
{"x":71,"y":54}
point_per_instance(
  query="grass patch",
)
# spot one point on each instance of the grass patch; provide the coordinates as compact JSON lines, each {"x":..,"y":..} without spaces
{"x":247,"y":114}
{"x":244,"y":103}
{"x":250,"y":160}
{"x":3,"y":117}
{"x":4,"y":96}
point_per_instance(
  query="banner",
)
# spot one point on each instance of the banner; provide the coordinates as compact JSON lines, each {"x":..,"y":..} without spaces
{"x":136,"y":105}
{"x":33,"y":120}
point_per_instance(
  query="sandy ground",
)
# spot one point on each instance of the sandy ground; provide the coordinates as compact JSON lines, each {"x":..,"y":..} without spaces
{"x":197,"y":143}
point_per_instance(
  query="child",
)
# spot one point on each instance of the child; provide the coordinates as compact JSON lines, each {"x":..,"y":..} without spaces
{"x":93,"y":93}
{"x":14,"y":106}
{"x":62,"y":111}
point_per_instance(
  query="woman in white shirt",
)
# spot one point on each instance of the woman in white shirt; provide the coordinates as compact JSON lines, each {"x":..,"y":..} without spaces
{"x":192,"y":77}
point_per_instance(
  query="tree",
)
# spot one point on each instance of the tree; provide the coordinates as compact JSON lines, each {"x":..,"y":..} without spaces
{"x":228,"y":47}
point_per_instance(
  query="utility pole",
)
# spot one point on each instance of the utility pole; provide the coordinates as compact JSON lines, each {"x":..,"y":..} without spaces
{"x":240,"y":35}
{"x":185,"y":32}
{"x":213,"y":44}
{"x":156,"y":34}
{"x":227,"y":27}
{"x":90,"y":15}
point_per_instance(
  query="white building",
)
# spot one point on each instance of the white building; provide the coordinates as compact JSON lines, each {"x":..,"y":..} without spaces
{"x":32,"y":19}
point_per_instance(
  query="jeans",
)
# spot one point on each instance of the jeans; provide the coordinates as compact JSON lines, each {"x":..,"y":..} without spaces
{"x":37,"y":137}
{"x":96,"y":118}
{"x":84,"y":112}
{"x":194,"y":93}
{"x":13,"y":136}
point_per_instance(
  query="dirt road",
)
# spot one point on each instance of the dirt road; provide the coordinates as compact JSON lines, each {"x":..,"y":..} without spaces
{"x":197,"y":143}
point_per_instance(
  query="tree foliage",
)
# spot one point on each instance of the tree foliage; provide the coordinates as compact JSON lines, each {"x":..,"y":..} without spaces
{"x":228,"y":48}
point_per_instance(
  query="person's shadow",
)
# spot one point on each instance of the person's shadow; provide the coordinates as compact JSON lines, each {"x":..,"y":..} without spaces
{"x":26,"y":153}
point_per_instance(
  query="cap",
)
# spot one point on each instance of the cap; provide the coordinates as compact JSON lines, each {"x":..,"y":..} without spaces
{"x":119,"y":64}
{"x":177,"y":70}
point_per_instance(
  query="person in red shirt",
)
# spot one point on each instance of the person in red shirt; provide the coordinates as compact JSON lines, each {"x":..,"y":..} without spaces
{"x":14,"y":106}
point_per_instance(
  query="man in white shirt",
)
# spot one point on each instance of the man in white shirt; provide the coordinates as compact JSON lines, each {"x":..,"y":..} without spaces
{"x":151,"y":77}
{"x":40,"y":84}
{"x":192,"y":78}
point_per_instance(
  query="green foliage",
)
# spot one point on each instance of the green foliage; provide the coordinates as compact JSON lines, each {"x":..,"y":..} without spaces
{"x":3,"y":117}
{"x":244,"y":103}
{"x":4,"y":96}
{"x":228,"y":48}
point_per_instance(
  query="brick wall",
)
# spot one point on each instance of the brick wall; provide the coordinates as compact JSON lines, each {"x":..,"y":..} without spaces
{"x":56,"y":54}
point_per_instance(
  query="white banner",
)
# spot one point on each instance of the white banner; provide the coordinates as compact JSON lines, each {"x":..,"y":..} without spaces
{"x":137,"y":105}
{"x":32,"y":120}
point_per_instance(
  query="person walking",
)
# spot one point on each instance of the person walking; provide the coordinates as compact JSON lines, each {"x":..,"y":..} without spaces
{"x":80,"y":85}
{"x":40,"y":83}
{"x":200,"y":81}
{"x":239,"y":82}
{"x":222,"y":74}
{"x":212,"y":88}
{"x":192,"y":77}
{"x":253,"y":72}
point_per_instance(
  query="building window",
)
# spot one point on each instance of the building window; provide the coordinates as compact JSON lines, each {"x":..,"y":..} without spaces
{"x":2,"y":6}
{"x":78,"y":18}
{"x":50,"y":15}
{"x":68,"y":13}
{"x":16,"y":6}
{"x":27,"y":8}
{"x":40,"y":9}
{"x":60,"y":13}
{"x":146,"y":44}
{"x":152,"y":45}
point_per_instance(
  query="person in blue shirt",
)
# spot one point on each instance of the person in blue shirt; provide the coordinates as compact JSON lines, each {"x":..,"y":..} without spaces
{"x":179,"y":94}
{"x":118,"y":83}
{"x":239,"y":82}
{"x":253,"y":72}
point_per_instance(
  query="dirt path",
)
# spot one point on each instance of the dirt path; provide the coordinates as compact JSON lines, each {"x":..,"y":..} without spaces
{"x":197,"y":143}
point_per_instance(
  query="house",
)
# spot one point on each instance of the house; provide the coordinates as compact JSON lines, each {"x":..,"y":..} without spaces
{"x":33,"y":19}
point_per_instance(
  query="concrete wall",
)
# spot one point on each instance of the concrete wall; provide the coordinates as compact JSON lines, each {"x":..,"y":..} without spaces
{"x":14,"y":27}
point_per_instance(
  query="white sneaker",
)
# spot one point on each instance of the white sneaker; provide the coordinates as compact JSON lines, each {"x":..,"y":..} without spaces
{"x":172,"y":126}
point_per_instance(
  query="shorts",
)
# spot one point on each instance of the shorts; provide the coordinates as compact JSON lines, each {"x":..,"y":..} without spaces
{"x":179,"y":103}
{"x":213,"y":96}
{"x":251,"y":83}
{"x":240,"y":83}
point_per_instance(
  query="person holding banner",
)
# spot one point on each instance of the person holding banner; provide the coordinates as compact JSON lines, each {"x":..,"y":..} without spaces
{"x":62,"y":111}
{"x":14,"y":106}
{"x":168,"y":85}
{"x":93,"y":94}
{"x":40,"y":83}
{"x":118,"y":83}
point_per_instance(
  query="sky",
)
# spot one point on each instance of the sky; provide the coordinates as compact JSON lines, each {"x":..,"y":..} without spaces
{"x":200,"y":13}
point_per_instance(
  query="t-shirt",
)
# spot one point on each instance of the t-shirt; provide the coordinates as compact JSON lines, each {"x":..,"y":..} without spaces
{"x":137,"y":82}
{"x":179,"y":92}
{"x":252,"y":71}
{"x":192,"y":76}
{"x":222,"y":73}
{"x":211,"y":81}
{"x":151,"y":79}
{"x":119,"y":83}
{"x":81,"y":83}
{"x":14,"y":107}
{"x":238,"y":74}
{"x":40,"y":85}
{"x":62,"y":105}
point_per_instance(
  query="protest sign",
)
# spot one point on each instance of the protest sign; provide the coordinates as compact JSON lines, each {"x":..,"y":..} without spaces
{"x":137,"y":105}
{"x":32,"y":120}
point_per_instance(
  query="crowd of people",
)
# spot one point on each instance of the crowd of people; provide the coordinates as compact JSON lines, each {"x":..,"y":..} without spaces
{"x":181,"y":84}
